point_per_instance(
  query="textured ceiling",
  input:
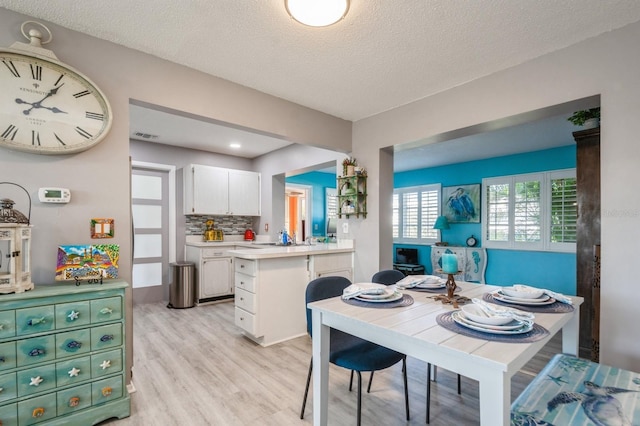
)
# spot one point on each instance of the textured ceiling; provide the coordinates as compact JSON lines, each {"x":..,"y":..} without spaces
{"x":384,"y":54}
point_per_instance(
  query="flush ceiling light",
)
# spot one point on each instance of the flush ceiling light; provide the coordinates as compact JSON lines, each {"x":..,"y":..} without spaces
{"x":234,"y":145}
{"x":317,"y":13}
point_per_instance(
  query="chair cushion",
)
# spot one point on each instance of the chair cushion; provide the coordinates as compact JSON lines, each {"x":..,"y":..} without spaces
{"x":577,"y":391}
{"x":364,"y":356}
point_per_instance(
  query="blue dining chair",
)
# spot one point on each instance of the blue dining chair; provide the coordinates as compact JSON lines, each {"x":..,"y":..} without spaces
{"x":347,"y":351}
{"x":390,"y":277}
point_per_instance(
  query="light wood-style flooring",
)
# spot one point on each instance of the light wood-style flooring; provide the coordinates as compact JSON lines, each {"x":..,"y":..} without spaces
{"x":193,"y":367}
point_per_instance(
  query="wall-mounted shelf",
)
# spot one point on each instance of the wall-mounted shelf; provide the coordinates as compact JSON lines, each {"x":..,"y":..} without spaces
{"x":352,"y":196}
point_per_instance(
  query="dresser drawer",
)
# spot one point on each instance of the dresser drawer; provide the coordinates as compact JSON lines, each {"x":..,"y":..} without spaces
{"x":245,"y":300}
{"x":245,"y":266}
{"x":106,"y":390}
{"x":36,"y":380}
{"x":7,"y":324}
{"x":246,"y":321}
{"x":72,"y":314}
{"x":7,"y":355}
{"x":245,"y":282}
{"x":37,"y":409}
{"x":106,"y":336}
{"x":9,"y":387}
{"x":34,"y":320}
{"x":36,"y":349}
{"x":106,"y":363}
{"x":103,"y":310}
{"x":73,"y":371}
{"x":73,"y":343}
{"x":74,"y":399}
{"x":8,"y":415}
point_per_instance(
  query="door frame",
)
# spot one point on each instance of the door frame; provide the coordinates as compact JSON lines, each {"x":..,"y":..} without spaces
{"x":308,"y":190}
{"x":172,"y":201}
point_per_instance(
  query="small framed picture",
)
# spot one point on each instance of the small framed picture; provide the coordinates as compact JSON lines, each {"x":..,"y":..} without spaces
{"x":461,"y":203}
{"x":102,"y":228}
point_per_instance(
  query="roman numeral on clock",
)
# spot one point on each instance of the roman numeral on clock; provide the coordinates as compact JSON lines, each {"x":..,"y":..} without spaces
{"x":36,"y":72}
{"x":12,"y":68}
{"x":10,"y":133}
{"x":95,"y":115}
{"x":83,"y":133}
{"x":59,"y":140}
{"x":35,"y":138}
{"x":58,"y":80}
{"x":81,"y":94}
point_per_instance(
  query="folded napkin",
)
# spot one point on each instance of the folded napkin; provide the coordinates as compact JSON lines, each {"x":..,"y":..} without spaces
{"x":357,"y":289}
{"x":558,"y":296}
{"x":501,"y":311}
{"x":413,"y":280}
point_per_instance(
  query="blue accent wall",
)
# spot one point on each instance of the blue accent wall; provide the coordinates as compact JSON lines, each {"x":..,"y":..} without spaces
{"x":319,"y":183}
{"x":556,"y":271}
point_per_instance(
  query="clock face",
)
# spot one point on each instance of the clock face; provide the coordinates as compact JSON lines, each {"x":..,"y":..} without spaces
{"x":49,"y":108}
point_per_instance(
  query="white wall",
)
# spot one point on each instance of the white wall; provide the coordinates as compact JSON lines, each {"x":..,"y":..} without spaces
{"x":607,"y":65}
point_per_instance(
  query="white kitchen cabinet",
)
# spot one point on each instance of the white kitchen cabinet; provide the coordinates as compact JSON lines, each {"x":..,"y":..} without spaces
{"x":472,"y":262}
{"x":337,"y":264}
{"x":219,"y":191}
{"x":214,"y":278}
{"x":270,"y":292}
{"x":269,"y":302}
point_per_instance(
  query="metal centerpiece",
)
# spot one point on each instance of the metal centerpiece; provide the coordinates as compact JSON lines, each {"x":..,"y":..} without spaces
{"x":15,"y":247}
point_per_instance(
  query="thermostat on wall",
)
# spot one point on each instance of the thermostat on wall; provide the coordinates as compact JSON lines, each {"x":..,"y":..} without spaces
{"x":54,"y":195}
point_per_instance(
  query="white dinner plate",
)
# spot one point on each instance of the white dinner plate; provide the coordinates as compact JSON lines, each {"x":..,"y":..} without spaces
{"x":382,"y":293}
{"x":527,"y":302}
{"x":542,"y":298}
{"x":513,"y":325}
{"x":390,"y":297}
{"x":459,"y":319}
{"x":439,"y":284}
{"x":523,"y":292}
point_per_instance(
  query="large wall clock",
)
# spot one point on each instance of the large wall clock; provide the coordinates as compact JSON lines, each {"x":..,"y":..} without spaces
{"x":46,"y":106}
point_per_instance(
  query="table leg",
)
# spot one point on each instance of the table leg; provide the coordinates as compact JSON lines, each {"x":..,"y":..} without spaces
{"x":495,"y":399}
{"x":320,"y":370}
{"x":570,"y":334}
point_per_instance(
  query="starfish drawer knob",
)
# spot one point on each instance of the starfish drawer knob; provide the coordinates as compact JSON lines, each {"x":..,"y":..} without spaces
{"x":73,"y":315}
{"x":105,"y":364}
{"x":74,"y":372}
{"x":35,"y":381}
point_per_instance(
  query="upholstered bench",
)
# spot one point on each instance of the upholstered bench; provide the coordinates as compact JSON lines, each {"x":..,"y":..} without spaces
{"x":575,"y":391}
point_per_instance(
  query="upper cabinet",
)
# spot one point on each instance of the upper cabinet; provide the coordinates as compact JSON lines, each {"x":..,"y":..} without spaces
{"x":218,"y":191}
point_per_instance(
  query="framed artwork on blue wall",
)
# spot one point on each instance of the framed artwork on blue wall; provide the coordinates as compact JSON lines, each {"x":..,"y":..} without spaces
{"x":461,"y":203}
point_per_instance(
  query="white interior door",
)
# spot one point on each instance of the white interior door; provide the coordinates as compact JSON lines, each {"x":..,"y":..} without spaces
{"x":150,"y":206}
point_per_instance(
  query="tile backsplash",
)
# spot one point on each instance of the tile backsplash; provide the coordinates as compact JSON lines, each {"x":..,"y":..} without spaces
{"x":230,"y":225}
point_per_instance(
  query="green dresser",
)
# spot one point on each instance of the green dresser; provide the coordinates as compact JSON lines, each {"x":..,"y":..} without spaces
{"x":62,"y":355}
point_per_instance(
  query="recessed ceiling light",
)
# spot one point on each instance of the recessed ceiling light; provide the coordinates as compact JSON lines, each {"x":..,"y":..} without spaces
{"x":317,"y":13}
{"x":235,"y":145}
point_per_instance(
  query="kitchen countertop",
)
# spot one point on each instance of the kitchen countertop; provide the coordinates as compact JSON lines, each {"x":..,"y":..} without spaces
{"x":270,"y":252}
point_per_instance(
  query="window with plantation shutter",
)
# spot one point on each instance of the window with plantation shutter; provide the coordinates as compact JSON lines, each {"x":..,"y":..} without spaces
{"x":564,"y":209}
{"x":415,"y":210}
{"x":530,"y":212}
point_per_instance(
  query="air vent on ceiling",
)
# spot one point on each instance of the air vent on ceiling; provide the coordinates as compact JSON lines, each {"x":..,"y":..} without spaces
{"x":145,"y":135}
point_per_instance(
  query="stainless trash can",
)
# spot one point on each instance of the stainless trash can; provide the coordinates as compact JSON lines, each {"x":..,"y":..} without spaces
{"x":182,"y":291}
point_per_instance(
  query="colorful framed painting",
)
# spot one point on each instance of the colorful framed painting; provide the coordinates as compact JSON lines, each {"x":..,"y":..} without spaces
{"x":102,"y":228}
{"x":461,"y":203}
{"x":85,"y":262}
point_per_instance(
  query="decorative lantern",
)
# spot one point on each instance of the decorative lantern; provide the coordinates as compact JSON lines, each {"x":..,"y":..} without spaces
{"x":15,"y":247}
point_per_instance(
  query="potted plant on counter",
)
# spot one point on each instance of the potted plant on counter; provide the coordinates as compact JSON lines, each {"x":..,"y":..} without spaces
{"x":588,"y":118}
{"x":348,"y":166}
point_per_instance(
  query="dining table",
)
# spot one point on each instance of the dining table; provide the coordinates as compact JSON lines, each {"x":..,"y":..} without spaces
{"x":414,"y":330}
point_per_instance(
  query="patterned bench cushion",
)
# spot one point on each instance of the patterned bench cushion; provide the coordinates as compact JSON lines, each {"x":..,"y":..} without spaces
{"x":576,"y":391}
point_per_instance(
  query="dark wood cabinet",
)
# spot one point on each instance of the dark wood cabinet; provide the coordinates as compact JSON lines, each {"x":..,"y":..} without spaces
{"x":588,"y":237}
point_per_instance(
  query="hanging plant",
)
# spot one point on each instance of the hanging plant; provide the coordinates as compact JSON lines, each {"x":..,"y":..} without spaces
{"x":579,"y":118}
